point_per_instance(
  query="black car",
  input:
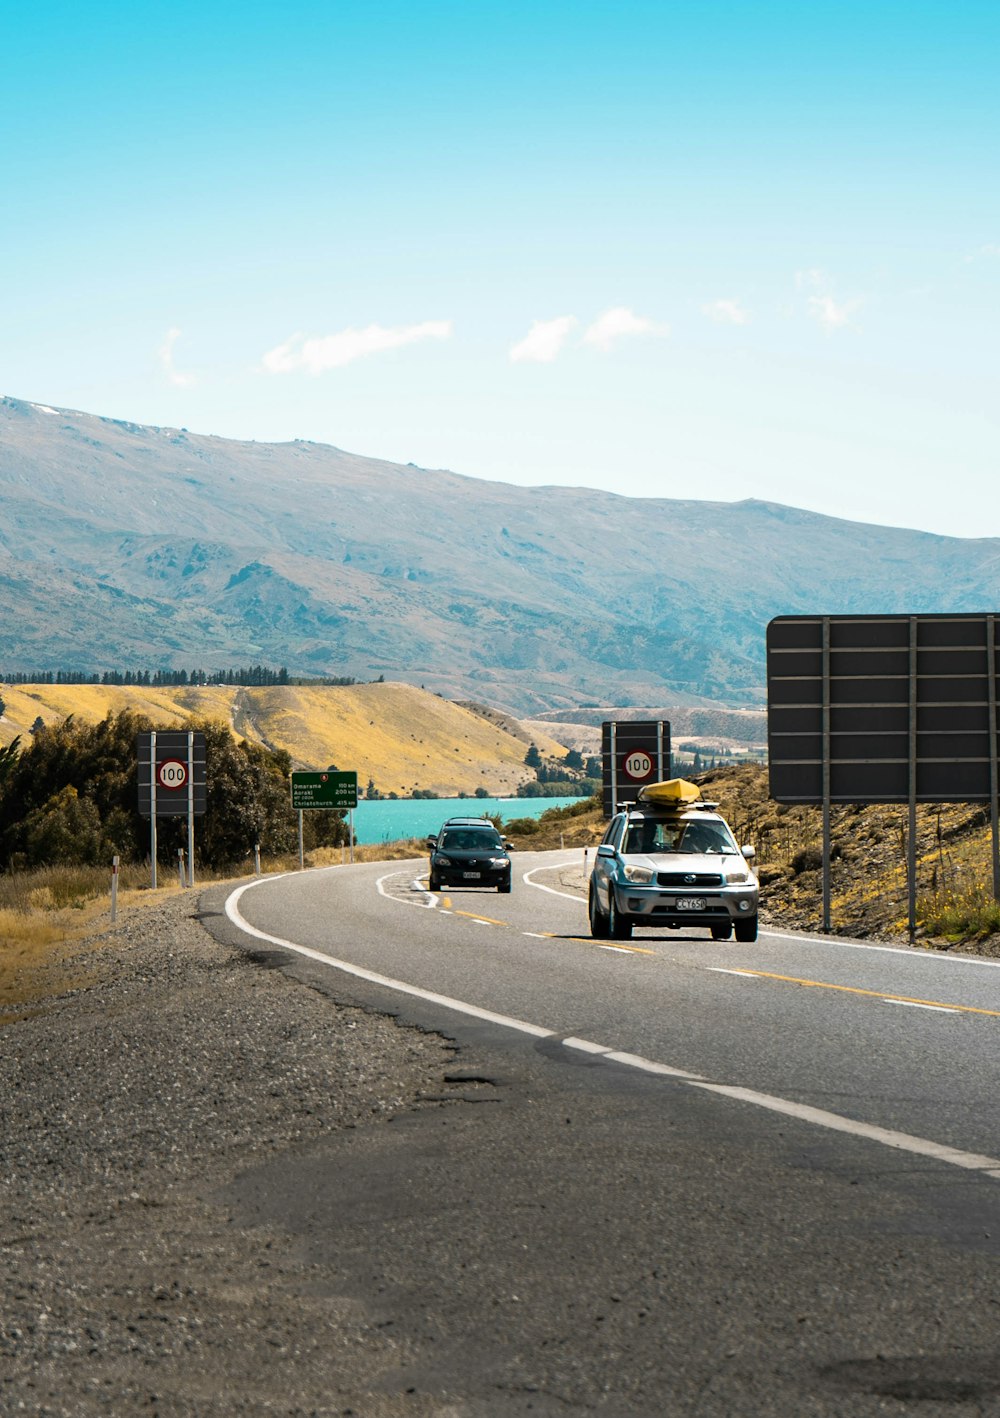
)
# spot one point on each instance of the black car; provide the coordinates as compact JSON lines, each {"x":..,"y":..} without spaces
{"x":469,"y":854}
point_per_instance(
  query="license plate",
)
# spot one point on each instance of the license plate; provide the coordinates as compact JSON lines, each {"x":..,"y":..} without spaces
{"x":471,"y":875}
{"x":690,"y":903}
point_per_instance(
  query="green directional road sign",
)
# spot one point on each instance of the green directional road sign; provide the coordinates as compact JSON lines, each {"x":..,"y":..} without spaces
{"x":324,"y":790}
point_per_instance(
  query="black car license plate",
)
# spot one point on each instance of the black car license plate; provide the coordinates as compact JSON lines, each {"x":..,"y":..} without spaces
{"x":690,"y":903}
{"x":471,"y":875}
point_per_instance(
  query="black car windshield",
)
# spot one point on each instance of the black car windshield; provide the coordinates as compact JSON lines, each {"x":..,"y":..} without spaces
{"x":468,"y":839}
{"x":648,"y":835}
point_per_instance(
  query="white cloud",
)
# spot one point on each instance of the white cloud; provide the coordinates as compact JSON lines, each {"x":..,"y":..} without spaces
{"x":614,"y":324}
{"x":830,"y":313}
{"x":166,"y":354}
{"x":726,"y":312}
{"x":334,"y":351}
{"x":543,"y":341}
{"x":821,"y":305}
{"x":812,"y":279}
{"x":985,"y":253}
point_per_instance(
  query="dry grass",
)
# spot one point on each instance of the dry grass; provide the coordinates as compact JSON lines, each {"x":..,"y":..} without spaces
{"x":46,"y":938}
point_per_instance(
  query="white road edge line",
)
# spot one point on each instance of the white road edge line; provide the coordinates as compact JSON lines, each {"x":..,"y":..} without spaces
{"x":933,"y":957}
{"x":240,"y":921}
{"x":569,"y":895}
{"x":429,"y":903}
{"x":914,"y":1004}
{"x":901,"y":1141}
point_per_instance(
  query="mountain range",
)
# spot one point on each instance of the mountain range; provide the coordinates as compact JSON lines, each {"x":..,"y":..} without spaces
{"x":124,"y":545}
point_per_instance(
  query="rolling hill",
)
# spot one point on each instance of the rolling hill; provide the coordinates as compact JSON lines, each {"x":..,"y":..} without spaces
{"x":399,"y":736}
{"x":125,"y":546}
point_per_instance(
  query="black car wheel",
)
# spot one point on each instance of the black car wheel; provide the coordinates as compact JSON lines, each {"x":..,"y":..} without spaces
{"x":433,"y":884}
{"x":619,"y":927}
{"x":746,"y":930}
{"x":722,"y":932}
{"x":504,"y":886}
{"x":598,"y":920}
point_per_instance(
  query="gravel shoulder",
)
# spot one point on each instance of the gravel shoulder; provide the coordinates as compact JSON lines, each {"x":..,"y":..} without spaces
{"x":126,"y":1105}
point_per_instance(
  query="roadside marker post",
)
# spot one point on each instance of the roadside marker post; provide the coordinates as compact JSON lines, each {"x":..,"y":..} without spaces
{"x":114,"y":889}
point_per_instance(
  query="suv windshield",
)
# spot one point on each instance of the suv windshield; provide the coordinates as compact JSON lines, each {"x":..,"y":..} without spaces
{"x":648,"y":835}
{"x":468,"y":839}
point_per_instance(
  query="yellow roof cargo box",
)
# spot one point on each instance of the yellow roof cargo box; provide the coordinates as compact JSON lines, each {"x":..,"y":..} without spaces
{"x":675,"y":792}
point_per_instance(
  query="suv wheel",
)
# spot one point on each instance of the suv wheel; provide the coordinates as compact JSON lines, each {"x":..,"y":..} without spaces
{"x":433,"y":884}
{"x":747,"y":929}
{"x":721,"y":932}
{"x":598,"y":920}
{"x":505,"y":884}
{"x":619,"y":927}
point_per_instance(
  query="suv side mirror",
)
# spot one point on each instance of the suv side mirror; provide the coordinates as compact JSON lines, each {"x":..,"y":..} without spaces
{"x":748,"y":852}
{"x":432,"y":843}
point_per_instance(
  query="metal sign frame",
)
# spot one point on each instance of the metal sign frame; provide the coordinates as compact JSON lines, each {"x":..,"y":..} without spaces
{"x":157,"y":747}
{"x":621,"y":738}
{"x":884,"y":708}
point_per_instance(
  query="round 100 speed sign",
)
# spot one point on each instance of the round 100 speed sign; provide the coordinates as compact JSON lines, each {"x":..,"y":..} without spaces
{"x":637,"y":764}
{"x":172,"y":773}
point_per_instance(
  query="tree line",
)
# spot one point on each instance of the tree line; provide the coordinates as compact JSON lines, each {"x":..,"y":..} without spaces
{"x":71,"y":796}
{"x":251,"y":676}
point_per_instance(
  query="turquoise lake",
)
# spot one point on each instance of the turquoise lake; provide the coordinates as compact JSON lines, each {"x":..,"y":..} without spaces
{"x":384,"y":820}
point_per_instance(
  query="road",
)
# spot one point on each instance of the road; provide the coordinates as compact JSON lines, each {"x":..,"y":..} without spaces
{"x":712,"y":1178}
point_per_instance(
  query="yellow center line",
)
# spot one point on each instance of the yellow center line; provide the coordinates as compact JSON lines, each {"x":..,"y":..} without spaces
{"x":553,"y":935}
{"x":873,"y":994}
{"x":475,"y":916}
{"x":588,"y":940}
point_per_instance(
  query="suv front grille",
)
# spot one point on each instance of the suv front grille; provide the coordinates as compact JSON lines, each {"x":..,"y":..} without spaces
{"x":689,"y":878}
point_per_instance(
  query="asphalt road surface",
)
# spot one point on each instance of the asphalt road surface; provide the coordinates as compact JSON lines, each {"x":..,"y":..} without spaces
{"x":688,"y":1176}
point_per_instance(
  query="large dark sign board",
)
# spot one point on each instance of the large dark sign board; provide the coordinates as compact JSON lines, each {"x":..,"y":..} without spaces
{"x":875,"y":697}
{"x":884,"y":709}
{"x":634,"y":752}
{"x":178,"y":780}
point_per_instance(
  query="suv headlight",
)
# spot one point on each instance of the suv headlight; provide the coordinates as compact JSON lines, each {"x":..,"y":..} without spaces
{"x":440,"y":860}
{"x":637,"y":874}
{"x":737,"y":877}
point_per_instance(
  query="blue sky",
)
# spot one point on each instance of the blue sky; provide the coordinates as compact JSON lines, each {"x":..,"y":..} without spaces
{"x":706,"y":251}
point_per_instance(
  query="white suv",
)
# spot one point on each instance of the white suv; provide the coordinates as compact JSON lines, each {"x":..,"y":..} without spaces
{"x":675,"y":869}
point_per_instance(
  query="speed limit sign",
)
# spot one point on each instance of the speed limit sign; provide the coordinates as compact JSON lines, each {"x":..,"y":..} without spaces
{"x":172,"y":773}
{"x":638,"y":764}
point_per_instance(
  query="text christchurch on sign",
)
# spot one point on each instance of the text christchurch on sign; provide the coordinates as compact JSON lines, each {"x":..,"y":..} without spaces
{"x":324,"y":791}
